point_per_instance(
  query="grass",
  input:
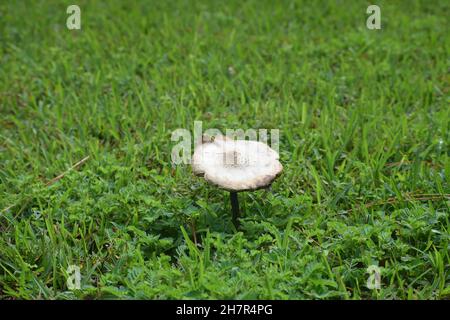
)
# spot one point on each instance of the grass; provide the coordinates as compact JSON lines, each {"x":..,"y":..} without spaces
{"x":364,"y":129}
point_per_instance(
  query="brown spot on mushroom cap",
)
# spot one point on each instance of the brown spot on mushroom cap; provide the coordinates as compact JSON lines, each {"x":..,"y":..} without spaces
{"x":236,"y":165}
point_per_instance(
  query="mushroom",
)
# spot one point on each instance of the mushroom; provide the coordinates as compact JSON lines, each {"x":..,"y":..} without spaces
{"x":236,"y":165}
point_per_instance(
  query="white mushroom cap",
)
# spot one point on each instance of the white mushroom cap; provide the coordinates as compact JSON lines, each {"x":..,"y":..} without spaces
{"x":236,"y":165}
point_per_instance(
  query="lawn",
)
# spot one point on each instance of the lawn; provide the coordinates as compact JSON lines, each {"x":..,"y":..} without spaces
{"x":363,"y":117}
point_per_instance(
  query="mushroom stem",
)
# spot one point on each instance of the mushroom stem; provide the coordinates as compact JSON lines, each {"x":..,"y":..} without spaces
{"x":235,"y":208}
